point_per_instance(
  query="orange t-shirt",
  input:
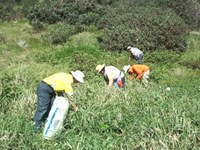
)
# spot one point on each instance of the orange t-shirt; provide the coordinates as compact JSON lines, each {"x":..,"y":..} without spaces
{"x":139,"y":70}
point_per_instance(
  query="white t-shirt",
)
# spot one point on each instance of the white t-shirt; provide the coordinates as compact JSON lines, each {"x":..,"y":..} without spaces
{"x":136,"y":52}
{"x":113,"y":72}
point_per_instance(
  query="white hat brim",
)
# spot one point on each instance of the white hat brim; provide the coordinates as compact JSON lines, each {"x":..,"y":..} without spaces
{"x":75,"y":76}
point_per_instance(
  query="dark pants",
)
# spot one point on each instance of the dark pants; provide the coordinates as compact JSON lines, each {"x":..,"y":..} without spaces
{"x":139,"y":59}
{"x":123,"y":82}
{"x":45,"y":98}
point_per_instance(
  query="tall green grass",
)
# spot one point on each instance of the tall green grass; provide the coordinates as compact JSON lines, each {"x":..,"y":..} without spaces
{"x":137,"y":118}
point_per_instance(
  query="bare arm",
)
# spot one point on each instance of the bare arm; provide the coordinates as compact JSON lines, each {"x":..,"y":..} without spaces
{"x":71,"y":101}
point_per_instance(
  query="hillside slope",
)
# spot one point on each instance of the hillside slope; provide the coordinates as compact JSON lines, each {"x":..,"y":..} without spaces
{"x":137,"y":118}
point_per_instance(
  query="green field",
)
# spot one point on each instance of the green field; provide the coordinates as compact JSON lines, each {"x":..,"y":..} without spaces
{"x":137,"y":118}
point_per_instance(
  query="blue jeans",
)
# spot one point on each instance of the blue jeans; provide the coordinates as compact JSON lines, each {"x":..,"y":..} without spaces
{"x":139,"y":59}
{"x":45,"y":98}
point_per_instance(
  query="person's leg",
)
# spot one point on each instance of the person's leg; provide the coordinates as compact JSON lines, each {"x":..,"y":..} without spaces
{"x":139,"y":59}
{"x":145,"y":78}
{"x":123,"y":82}
{"x":44,"y":95}
{"x":115,"y":83}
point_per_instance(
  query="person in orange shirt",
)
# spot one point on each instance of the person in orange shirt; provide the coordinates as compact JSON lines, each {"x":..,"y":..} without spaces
{"x":141,"y":72}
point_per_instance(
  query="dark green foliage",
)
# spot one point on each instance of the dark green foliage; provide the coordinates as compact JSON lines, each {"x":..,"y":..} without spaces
{"x":105,"y":2}
{"x":85,"y":12}
{"x":6,"y":11}
{"x":60,"y":33}
{"x":44,"y":13}
{"x":14,"y":9}
{"x":148,"y":28}
{"x":37,"y":25}
{"x":145,"y":25}
{"x":186,"y":9}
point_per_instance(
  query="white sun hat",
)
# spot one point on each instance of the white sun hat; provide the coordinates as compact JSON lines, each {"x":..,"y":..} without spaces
{"x":129,"y":47}
{"x":78,"y":75}
{"x":125,"y":68}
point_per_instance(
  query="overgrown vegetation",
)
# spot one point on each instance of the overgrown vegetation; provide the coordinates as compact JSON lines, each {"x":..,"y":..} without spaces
{"x":143,"y":25}
{"x":137,"y":118}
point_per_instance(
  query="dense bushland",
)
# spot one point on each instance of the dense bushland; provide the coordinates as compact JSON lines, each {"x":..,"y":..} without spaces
{"x":14,"y":9}
{"x":72,"y":12}
{"x":186,"y":9}
{"x":149,"y":28}
{"x":145,"y":27}
{"x":149,"y":25}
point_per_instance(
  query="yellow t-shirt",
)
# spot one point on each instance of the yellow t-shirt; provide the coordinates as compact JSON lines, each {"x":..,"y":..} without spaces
{"x":61,"y":82}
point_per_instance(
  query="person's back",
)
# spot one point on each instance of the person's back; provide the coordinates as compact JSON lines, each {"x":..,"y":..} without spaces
{"x":142,"y":68}
{"x":60,"y":81}
{"x":139,"y":70}
{"x":135,"y":51}
{"x":113,"y":71}
{"x":112,"y":75}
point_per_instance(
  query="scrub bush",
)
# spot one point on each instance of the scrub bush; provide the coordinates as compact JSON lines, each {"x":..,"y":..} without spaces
{"x":59,"y":33}
{"x":37,"y":25}
{"x":145,"y":27}
{"x":188,"y":10}
{"x":72,"y":12}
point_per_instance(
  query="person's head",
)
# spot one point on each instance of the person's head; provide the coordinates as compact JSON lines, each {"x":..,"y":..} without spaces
{"x":126,"y":68}
{"x":100,"y":68}
{"x":78,"y":76}
{"x":129,"y":48}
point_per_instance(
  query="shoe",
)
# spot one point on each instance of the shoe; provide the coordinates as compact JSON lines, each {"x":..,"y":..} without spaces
{"x":37,"y":126}
{"x":37,"y":129}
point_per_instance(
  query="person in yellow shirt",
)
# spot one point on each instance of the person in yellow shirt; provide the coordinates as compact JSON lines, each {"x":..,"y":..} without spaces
{"x":48,"y":88}
{"x":141,"y":72}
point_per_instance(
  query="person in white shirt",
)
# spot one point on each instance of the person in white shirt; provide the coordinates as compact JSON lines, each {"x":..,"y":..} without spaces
{"x":112,"y":75}
{"x":135,"y":53}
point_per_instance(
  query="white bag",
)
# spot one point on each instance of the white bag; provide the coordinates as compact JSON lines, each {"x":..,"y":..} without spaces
{"x":56,"y":117}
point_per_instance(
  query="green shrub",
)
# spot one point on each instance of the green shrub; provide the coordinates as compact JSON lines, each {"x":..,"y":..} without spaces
{"x":37,"y":25}
{"x":43,"y":13}
{"x":71,"y":12}
{"x":188,"y":10}
{"x":145,"y":27}
{"x":59,"y":33}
